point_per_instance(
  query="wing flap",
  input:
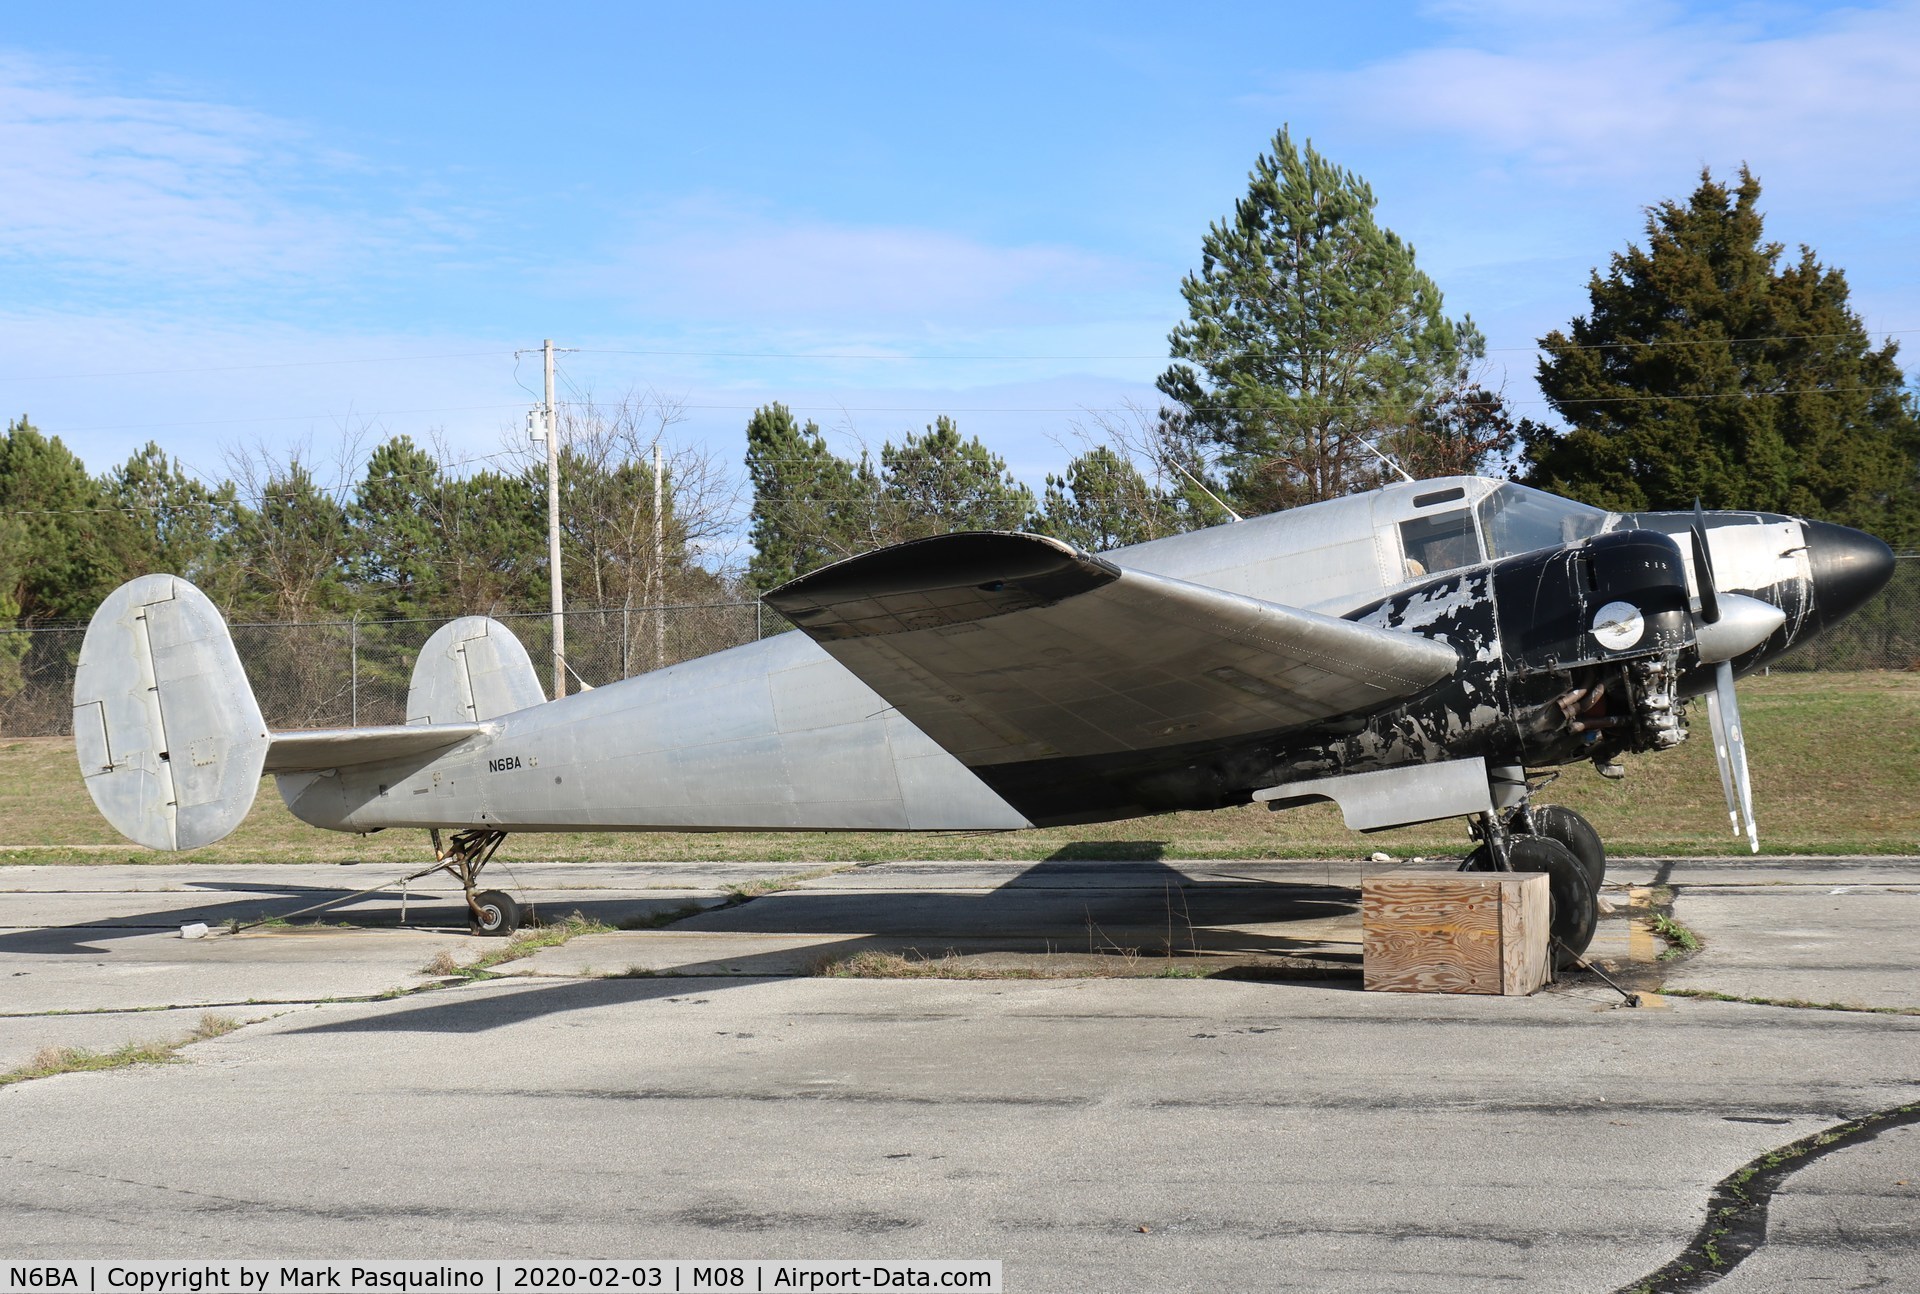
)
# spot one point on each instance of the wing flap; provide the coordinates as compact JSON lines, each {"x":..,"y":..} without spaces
{"x":316,"y":749}
{"x":1006,"y":647}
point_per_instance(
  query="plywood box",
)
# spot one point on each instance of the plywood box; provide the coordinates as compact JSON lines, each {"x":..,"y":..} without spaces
{"x":1455,"y":932}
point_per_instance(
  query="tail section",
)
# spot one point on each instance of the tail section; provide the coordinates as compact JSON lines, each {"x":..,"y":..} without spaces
{"x":169,"y":736}
{"x":470,"y":671}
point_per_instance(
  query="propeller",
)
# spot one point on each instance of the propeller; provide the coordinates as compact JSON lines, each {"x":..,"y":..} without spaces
{"x":1703,"y":567}
{"x":1723,"y":707}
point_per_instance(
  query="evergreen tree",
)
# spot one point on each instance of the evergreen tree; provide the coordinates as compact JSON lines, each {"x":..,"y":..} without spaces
{"x":165,"y":520}
{"x":398,"y":543}
{"x":937,"y":483}
{"x":1102,"y":501}
{"x":494,"y":534}
{"x":292,"y":548}
{"x":810,"y":506}
{"x":60,"y":548}
{"x":1310,"y":332}
{"x":1706,"y":368}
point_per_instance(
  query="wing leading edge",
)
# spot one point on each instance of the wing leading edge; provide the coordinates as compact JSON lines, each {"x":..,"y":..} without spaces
{"x":1012,"y":647}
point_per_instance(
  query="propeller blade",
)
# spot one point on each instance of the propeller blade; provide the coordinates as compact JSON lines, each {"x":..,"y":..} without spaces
{"x":1703,"y":567}
{"x":1723,"y":758}
{"x":1730,"y":753}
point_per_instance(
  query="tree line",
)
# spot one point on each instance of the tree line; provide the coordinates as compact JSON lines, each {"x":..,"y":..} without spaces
{"x":293,"y":537}
{"x":1709,"y":364}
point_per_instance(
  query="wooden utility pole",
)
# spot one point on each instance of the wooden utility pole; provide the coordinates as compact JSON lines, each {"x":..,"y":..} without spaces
{"x":553,"y":532}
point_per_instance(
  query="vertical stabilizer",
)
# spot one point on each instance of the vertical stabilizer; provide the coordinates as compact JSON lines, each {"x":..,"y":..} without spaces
{"x":472,"y":669}
{"x":168,"y":734}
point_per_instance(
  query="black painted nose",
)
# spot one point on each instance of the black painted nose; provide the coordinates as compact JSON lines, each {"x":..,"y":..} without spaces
{"x":1849,"y":567}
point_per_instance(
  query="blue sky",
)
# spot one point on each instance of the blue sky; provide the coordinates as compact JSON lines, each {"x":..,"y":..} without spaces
{"x":356,"y":212}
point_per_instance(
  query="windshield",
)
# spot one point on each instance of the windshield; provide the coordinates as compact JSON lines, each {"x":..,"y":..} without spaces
{"x":1517,"y":520}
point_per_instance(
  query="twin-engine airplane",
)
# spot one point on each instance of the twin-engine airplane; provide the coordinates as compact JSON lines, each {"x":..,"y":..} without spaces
{"x":1407,"y":653}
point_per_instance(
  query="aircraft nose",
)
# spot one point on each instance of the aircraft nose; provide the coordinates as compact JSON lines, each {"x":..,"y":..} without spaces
{"x":1849,"y":566}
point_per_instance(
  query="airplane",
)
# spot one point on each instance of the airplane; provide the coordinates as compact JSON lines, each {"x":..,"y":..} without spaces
{"x":1410,"y":653}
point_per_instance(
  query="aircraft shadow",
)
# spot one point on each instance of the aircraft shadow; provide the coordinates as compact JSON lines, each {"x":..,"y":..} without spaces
{"x":1138,"y":907}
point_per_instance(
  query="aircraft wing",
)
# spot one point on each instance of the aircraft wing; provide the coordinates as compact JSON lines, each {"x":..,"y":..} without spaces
{"x":315,"y":749}
{"x":1010,"y":647}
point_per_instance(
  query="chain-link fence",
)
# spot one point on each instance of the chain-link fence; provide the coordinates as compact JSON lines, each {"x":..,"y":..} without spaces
{"x":345,"y":672}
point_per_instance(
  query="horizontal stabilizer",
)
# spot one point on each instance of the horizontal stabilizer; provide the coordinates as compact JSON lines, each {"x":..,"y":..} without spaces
{"x":317,"y":749}
{"x":1009,"y":647}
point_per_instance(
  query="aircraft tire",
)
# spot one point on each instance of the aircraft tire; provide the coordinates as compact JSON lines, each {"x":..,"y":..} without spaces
{"x":499,"y":913}
{"x":1558,"y":822}
{"x":1575,"y":910}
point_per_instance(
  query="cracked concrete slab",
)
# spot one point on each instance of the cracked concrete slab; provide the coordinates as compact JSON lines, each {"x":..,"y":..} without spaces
{"x":1850,"y":942}
{"x":1147,"y":1133}
{"x":1849,"y":1221}
{"x":21,"y":1039}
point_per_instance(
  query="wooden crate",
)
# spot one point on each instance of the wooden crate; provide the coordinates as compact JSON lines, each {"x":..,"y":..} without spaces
{"x":1455,"y":932}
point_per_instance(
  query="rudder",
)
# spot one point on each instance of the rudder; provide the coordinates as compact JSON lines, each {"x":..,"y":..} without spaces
{"x":169,"y":737}
{"x":471,"y":670}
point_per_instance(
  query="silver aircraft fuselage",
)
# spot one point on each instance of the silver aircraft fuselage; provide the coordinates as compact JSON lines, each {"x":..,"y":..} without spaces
{"x":778,"y":735}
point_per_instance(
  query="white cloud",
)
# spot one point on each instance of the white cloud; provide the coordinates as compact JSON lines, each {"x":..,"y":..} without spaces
{"x":109,"y":183}
{"x":1598,"y":94}
{"x":698,"y":263}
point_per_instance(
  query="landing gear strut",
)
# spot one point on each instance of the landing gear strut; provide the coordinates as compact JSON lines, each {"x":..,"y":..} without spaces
{"x":1551,"y":839}
{"x":491,"y":912}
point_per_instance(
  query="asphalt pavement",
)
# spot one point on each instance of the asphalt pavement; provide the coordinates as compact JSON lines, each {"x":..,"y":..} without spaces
{"x":1113,"y":1122}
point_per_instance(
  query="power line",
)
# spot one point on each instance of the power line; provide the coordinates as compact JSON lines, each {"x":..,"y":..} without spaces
{"x":962,"y":358}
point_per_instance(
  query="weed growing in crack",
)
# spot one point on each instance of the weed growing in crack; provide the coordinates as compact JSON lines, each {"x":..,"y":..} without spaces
{"x":49,"y":1061}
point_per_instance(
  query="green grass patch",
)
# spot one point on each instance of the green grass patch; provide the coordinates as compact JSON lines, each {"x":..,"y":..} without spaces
{"x":522,"y":943}
{"x":81,"y":1060}
{"x":1680,"y":940}
{"x":1835,"y":764}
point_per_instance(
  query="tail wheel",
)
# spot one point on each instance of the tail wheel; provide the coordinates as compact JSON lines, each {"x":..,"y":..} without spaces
{"x":495,"y":913}
{"x":1575,"y":912}
{"x":1558,"y":822}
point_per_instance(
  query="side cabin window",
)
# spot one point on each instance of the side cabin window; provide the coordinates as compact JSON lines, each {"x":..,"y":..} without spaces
{"x":1439,"y":543}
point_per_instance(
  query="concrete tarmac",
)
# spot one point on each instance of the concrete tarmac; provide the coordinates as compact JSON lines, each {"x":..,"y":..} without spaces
{"x":691,"y":1092}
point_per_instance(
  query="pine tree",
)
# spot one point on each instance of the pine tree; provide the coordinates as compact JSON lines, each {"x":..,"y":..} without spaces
{"x":60,"y":549}
{"x":937,"y":483}
{"x":292,"y":548}
{"x":166,"y":520}
{"x":810,"y":506}
{"x":1102,"y":501}
{"x":397,"y":541}
{"x":1310,"y":333}
{"x":1706,"y":368}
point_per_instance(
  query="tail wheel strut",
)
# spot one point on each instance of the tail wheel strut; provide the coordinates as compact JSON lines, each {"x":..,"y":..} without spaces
{"x":490,"y":911}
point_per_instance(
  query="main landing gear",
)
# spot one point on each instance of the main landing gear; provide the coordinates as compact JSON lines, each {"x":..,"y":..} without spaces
{"x":1551,"y":838}
{"x":491,"y":912}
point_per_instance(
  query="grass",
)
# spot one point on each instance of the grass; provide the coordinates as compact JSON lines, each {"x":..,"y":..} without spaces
{"x":1680,"y":940}
{"x":522,"y":943}
{"x":80,"y":1060}
{"x":1835,"y":759}
{"x":877,"y":964}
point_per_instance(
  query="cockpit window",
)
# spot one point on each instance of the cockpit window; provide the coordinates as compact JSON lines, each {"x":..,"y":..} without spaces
{"x":1439,"y":542}
{"x":1518,"y":520}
